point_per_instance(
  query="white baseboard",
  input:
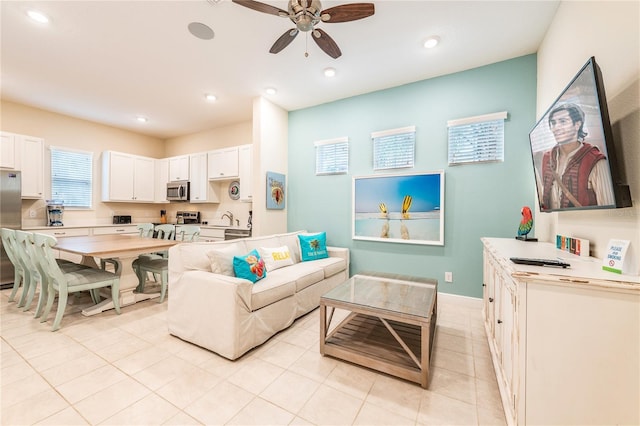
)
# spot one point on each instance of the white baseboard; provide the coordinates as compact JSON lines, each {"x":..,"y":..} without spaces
{"x":471,"y":302}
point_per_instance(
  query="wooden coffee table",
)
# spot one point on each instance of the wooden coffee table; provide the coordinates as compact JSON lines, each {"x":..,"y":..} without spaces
{"x":390,"y":326}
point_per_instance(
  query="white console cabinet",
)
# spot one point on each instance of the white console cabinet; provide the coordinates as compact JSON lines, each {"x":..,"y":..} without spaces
{"x":565,"y":343}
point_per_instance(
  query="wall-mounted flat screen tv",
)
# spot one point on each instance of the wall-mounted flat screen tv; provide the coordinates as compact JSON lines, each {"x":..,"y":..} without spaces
{"x":572,"y":147}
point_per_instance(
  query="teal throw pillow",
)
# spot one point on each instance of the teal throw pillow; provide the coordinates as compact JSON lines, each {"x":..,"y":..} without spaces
{"x":249,"y":266}
{"x":313,"y":246}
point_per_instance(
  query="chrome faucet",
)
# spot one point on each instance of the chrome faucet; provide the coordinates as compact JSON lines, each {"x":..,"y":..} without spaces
{"x":229,"y":215}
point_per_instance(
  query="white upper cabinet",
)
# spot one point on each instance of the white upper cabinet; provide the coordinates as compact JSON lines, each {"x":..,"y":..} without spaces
{"x":245,"y":169}
{"x":7,"y":151}
{"x":202,"y":191}
{"x":179,"y":168}
{"x":24,"y":153}
{"x":161,"y":180}
{"x":32,"y":166}
{"x":127,"y":177}
{"x":223,"y":163}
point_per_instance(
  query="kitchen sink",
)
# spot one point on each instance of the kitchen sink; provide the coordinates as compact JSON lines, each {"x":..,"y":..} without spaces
{"x":235,"y":233}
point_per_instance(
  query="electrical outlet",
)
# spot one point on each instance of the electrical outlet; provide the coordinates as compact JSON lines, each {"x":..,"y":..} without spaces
{"x":448,"y":277}
{"x":32,"y":213}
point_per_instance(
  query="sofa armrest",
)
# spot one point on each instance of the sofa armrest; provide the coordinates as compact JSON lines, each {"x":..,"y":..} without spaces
{"x":339,"y":252}
{"x":208,"y":309}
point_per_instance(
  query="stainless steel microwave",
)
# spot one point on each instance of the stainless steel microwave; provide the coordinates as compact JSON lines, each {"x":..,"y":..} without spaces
{"x":178,"y":191}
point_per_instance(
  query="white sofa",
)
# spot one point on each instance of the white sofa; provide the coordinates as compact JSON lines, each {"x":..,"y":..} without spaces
{"x":230,"y":315}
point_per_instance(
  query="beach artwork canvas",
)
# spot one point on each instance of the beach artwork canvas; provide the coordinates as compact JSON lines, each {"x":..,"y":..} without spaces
{"x":402,"y":208}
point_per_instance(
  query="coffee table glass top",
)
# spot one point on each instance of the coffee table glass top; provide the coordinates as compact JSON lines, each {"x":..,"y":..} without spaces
{"x":411,"y":297}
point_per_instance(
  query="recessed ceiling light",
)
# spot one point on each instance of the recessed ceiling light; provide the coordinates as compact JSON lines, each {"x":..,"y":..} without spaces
{"x":431,"y":42}
{"x":38,"y":16}
{"x":270,"y":91}
{"x":210,"y":97}
{"x":200,"y":30}
{"x":142,"y":119}
{"x":329,"y":72}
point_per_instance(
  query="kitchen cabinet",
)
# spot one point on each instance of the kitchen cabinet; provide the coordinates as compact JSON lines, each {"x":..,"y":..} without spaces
{"x":119,"y":229}
{"x":211,"y":234}
{"x":26,"y":154}
{"x":161,"y":180}
{"x":32,"y":166}
{"x":179,"y":168}
{"x":223,"y":163}
{"x":202,"y":191}
{"x":127,"y":178}
{"x":564,"y":342}
{"x":7,"y":151}
{"x":245,"y":172}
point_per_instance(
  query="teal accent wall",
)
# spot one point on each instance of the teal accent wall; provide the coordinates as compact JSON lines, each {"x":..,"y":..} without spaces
{"x":480,"y":199}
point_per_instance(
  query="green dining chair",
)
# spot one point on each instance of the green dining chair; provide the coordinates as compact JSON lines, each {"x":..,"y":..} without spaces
{"x":156,"y":264}
{"x":188,"y":233}
{"x":62,"y":283}
{"x":9,"y":244}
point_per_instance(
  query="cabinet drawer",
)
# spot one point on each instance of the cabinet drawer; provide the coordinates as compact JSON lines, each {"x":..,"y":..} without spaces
{"x":69,"y":232}
{"x":211,"y":234}
{"x":128,"y":229}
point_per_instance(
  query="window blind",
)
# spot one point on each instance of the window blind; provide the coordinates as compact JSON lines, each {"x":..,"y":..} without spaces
{"x":332,"y":156}
{"x":477,"y":139}
{"x":71,"y":177}
{"x":393,"y":149}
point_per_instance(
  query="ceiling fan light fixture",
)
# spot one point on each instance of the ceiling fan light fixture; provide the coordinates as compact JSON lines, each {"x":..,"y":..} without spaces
{"x":39,"y":17}
{"x":210,"y":97}
{"x":431,"y":42}
{"x":329,"y":72}
{"x":270,"y":91}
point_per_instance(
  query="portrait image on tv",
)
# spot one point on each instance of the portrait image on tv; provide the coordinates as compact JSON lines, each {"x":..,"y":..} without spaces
{"x":572,"y":148}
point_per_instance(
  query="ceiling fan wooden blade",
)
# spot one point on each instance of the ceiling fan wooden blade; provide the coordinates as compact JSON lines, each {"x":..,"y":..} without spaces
{"x":348,"y":12}
{"x":284,"y":40}
{"x":326,"y":43}
{"x":262,"y":7}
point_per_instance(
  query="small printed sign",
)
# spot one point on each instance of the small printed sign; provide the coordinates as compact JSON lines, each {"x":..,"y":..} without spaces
{"x":615,"y":257}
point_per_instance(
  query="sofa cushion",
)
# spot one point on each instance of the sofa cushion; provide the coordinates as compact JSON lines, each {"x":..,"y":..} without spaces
{"x":313,"y":246}
{"x":221,"y":259}
{"x":271,"y":289}
{"x":304,"y":274}
{"x":266,"y":241}
{"x":250,"y":266}
{"x":331,"y":265}
{"x":291,"y":240}
{"x":275,"y":257}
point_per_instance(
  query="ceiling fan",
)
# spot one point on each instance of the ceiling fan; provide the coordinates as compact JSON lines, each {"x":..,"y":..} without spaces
{"x":305,"y":14}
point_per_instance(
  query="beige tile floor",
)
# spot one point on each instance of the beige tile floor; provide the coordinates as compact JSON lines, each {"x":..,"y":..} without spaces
{"x":126,"y":369}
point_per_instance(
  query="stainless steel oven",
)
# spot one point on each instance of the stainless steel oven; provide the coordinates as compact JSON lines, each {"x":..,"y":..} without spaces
{"x":178,"y":191}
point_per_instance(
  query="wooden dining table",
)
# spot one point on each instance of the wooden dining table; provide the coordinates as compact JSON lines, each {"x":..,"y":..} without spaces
{"x":122,"y":250}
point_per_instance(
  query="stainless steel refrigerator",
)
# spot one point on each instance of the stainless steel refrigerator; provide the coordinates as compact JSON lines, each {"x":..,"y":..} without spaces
{"x":10,"y":217}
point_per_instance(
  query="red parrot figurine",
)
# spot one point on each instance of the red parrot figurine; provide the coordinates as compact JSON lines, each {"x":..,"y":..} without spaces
{"x":525,"y":225}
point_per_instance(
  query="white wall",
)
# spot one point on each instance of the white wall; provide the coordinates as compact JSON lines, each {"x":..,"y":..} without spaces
{"x":610,"y":31}
{"x":270,"y":140}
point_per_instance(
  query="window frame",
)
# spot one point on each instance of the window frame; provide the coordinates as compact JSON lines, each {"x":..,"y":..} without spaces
{"x":486,"y":143}
{"x":57,"y":150}
{"x":383,"y":143}
{"x":340,"y":162}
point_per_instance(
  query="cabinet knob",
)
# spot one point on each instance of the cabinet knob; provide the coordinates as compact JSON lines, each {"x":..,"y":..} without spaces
{"x":491,"y":299}
{"x":499,"y":321}
{"x":484,"y":285}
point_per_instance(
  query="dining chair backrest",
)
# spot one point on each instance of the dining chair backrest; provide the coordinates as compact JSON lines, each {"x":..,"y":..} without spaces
{"x":43,"y":250}
{"x":165,"y":231}
{"x":24,"y":244}
{"x":188,"y":233}
{"x":9,"y":244}
{"x":145,"y":229}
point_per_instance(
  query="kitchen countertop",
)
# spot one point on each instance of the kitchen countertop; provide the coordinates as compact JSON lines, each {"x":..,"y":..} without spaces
{"x":208,"y":226}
